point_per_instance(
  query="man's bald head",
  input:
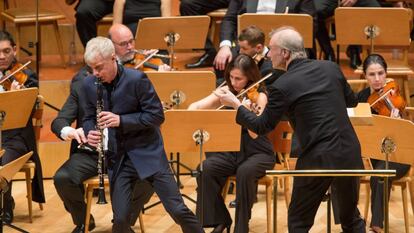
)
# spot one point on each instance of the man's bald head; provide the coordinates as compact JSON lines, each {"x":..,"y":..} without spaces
{"x":291,"y":40}
{"x":123,"y":40}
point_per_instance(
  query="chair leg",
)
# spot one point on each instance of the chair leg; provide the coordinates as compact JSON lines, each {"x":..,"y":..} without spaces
{"x":41,"y":206}
{"x":367,"y":201}
{"x":141,"y":223}
{"x":411,"y":189}
{"x":286,"y":187}
{"x":269,"y":206}
{"x":225,"y":189}
{"x":29,"y":192}
{"x":88,"y":207}
{"x":59,"y":43}
{"x":405,"y":207}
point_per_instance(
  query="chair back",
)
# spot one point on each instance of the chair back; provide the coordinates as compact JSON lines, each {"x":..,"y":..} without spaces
{"x":281,"y":138}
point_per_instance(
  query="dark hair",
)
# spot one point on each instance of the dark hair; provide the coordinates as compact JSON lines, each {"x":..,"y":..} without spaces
{"x":247,"y":66}
{"x":253,"y":35}
{"x":374,"y":59}
{"x":4,"y":35}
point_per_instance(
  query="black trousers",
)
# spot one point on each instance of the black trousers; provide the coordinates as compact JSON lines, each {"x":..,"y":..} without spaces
{"x":164,"y":185}
{"x":377,"y":189}
{"x":325,"y":9}
{"x":68,"y":182}
{"x":69,"y":179}
{"x":202,"y":7}
{"x":89,"y":12}
{"x":216,"y":168}
{"x":307,"y":194}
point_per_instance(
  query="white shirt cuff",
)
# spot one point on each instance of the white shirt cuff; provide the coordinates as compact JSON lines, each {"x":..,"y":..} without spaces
{"x":225,"y":43}
{"x":65,"y":131}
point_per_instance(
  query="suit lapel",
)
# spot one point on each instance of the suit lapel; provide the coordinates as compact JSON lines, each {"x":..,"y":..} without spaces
{"x":251,"y":6}
{"x":281,"y":6}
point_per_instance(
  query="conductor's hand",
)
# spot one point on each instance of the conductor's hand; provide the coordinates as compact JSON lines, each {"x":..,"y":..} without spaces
{"x":108,"y":120}
{"x":94,"y":136}
{"x":223,"y":57}
{"x":227,"y":98}
{"x":78,"y":135}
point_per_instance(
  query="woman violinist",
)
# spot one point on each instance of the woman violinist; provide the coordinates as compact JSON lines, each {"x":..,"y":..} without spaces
{"x":126,"y":53}
{"x":18,"y":142}
{"x":249,"y":164}
{"x":375,"y":71}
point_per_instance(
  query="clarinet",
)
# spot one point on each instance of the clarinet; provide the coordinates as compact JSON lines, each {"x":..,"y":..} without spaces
{"x":100,"y":146}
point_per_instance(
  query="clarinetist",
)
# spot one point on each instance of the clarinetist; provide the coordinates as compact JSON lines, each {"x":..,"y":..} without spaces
{"x":133,"y":114}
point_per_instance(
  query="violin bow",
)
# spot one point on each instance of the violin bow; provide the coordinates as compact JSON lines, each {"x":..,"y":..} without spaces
{"x":14,"y":72}
{"x":146,"y":59}
{"x":381,"y":97}
{"x":250,"y":87}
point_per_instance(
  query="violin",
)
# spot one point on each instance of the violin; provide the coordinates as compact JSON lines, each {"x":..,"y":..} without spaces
{"x":15,"y":73}
{"x":387,"y":99}
{"x":143,"y":63}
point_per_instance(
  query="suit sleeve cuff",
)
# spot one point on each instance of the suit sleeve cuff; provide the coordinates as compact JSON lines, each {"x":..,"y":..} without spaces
{"x":65,"y":131}
{"x":225,"y":43}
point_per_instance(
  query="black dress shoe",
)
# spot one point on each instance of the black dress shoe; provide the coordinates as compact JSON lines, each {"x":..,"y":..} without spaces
{"x":81,"y":228}
{"x":220,"y":228}
{"x":232,"y":204}
{"x":8,"y":211}
{"x":205,"y":61}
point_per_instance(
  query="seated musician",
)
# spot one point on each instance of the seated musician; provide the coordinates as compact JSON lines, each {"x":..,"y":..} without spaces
{"x":375,"y":71}
{"x":251,"y":41}
{"x":249,"y":164}
{"x":17,"y":142}
{"x":124,"y":42}
{"x":69,"y":178}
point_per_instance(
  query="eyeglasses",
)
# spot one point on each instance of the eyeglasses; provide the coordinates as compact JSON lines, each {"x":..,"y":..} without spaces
{"x":125,"y":43}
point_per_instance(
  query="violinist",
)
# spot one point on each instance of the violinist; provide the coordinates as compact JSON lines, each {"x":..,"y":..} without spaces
{"x":375,"y":71}
{"x":18,"y":142}
{"x":251,"y":42}
{"x":124,"y":42}
{"x":249,"y":164}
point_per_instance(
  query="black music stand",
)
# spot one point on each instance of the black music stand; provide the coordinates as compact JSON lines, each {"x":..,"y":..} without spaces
{"x":15,"y":110}
{"x":180,"y":32}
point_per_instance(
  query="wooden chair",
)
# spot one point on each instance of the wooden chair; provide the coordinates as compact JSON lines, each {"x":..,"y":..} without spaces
{"x":281,"y":137}
{"x":90,"y":185}
{"x":20,"y":17}
{"x":30,"y":165}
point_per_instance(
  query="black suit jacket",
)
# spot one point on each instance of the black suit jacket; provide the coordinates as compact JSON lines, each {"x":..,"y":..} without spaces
{"x":134,"y":99}
{"x":314,"y":94}
{"x":239,"y":7}
{"x":72,"y":110}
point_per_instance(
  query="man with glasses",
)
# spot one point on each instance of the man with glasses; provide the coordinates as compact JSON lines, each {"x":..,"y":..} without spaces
{"x":124,"y":42}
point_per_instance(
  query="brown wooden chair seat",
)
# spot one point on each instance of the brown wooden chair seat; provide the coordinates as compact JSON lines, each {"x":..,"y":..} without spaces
{"x":216,"y":18}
